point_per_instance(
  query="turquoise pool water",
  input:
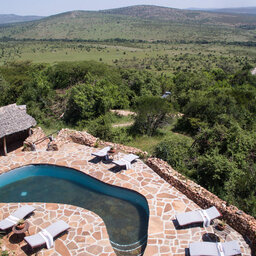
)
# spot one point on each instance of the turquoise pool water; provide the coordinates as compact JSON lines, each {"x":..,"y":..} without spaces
{"x":125,"y":212}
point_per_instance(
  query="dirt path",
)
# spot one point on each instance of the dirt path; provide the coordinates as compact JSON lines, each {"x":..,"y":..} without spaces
{"x":123,"y":125}
{"x":123,"y":112}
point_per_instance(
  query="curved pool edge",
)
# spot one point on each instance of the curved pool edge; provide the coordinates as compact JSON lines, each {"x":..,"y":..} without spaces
{"x":87,"y":233}
{"x":77,"y":176}
{"x":72,"y":161}
{"x":100,"y":245}
{"x":93,"y":178}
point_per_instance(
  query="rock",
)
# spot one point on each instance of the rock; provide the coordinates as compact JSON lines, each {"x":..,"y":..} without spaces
{"x":52,"y":146}
{"x":37,"y":140}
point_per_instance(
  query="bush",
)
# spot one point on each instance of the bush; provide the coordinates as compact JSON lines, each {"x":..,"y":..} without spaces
{"x":121,"y":135}
{"x":213,"y":171}
{"x":100,"y":127}
{"x":175,"y":150}
{"x":241,"y":189}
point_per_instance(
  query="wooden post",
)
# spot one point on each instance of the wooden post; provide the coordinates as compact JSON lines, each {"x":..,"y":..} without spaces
{"x":5,"y":148}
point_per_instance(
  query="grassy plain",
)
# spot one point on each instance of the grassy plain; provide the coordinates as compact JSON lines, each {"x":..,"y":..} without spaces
{"x":148,"y":144}
{"x":142,"y":37}
{"x":151,"y":56}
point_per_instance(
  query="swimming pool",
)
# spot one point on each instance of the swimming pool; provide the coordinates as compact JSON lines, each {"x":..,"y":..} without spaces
{"x":125,"y":212}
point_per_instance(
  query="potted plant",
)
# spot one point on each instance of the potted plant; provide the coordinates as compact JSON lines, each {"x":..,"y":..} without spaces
{"x":221,"y":225}
{"x":97,"y":143}
{"x":112,"y":150}
{"x":21,"y":224}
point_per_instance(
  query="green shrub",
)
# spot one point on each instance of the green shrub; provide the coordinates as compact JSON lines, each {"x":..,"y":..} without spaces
{"x":175,"y":150}
{"x":121,"y":135}
{"x":100,"y":127}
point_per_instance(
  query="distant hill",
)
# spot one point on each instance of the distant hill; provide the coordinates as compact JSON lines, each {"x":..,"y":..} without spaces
{"x":141,"y":22}
{"x":172,"y":14}
{"x":241,"y":10}
{"x":13,"y":18}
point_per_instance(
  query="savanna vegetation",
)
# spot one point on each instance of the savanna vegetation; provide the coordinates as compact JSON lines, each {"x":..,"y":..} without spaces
{"x":218,"y":145}
{"x":205,"y":129}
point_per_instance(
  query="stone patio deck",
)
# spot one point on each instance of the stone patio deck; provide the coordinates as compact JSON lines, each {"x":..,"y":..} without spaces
{"x":88,"y":234}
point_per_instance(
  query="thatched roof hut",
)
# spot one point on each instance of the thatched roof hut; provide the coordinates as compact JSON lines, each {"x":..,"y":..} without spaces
{"x":14,"y":119}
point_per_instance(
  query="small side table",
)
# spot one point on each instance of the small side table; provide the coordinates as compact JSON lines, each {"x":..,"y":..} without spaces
{"x":19,"y":232}
{"x":111,"y":155}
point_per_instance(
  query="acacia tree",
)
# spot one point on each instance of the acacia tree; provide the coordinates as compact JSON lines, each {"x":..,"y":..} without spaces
{"x":151,"y":113}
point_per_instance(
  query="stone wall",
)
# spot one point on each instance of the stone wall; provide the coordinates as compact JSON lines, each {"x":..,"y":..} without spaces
{"x":237,"y":219}
{"x":37,"y":138}
{"x":66,"y":135}
{"x":84,"y":138}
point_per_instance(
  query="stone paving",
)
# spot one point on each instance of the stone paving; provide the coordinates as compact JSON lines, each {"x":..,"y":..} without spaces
{"x":88,"y":234}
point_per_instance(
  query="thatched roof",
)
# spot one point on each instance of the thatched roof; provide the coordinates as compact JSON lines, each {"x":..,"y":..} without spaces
{"x":14,"y":119}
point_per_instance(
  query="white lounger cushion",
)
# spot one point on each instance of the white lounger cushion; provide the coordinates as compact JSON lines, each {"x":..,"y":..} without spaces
{"x":187,"y":218}
{"x":231,"y":248}
{"x":14,"y":218}
{"x":211,"y":249}
{"x":54,"y":230}
{"x":126,"y":160}
{"x":102,"y":153}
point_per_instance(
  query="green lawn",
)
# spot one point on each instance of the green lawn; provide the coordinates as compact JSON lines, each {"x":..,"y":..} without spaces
{"x":147,"y":143}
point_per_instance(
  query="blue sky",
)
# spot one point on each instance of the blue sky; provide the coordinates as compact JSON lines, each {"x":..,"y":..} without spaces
{"x":49,"y":7}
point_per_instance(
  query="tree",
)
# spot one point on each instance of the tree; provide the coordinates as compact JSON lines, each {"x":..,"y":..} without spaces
{"x":66,"y":74}
{"x":142,"y":82}
{"x":151,"y":113}
{"x":93,"y":99}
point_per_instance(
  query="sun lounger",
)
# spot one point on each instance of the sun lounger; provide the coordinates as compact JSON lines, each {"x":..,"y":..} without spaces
{"x":214,"y":249}
{"x":126,"y":160}
{"x":14,"y":218}
{"x":102,"y":153}
{"x":47,"y":235}
{"x":205,"y":216}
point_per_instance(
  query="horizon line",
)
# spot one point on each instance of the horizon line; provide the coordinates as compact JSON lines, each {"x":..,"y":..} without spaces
{"x":98,"y":10}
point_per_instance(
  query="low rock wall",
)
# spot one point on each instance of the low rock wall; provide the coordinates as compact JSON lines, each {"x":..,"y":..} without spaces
{"x":66,"y":135}
{"x":37,"y":140}
{"x":240,"y":221}
{"x":84,"y":138}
